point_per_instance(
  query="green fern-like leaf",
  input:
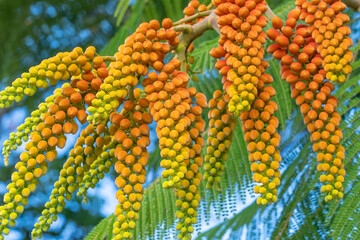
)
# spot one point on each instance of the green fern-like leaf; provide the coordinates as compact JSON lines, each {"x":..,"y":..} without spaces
{"x":103,"y":230}
{"x":203,"y":61}
{"x":282,"y":88}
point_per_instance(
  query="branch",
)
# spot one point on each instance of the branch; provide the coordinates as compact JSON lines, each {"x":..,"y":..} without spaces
{"x":191,"y":32}
{"x":131,"y":92}
{"x":109,"y":58}
{"x":354,"y":4}
{"x":183,"y":28}
{"x":193,"y":17}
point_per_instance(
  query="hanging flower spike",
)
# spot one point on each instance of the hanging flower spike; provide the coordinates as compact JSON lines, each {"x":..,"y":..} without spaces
{"x":221,"y":127}
{"x":260,"y":128}
{"x":81,"y":157}
{"x":241,"y":43}
{"x":29,"y":126}
{"x":327,"y":27}
{"x":101,"y":165}
{"x":49,"y":71}
{"x":131,"y":138}
{"x":48,"y":135}
{"x":302,"y":67}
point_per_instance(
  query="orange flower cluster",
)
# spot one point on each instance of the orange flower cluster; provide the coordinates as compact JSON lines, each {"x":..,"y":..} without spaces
{"x":177,"y":110}
{"x":47,"y":128}
{"x":301,"y":66}
{"x":80,"y":159}
{"x":85,"y":82}
{"x":60,"y":67}
{"x":327,"y":26}
{"x":243,"y":69}
{"x":221,"y":127}
{"x":178,"y":116}
{"x":309,"y":54}
{"x":144,"y":48}
{"x":260,"y":125}
{"x":241,"y":44}
{"x":57,"y":119}
{"x":131,"y":139}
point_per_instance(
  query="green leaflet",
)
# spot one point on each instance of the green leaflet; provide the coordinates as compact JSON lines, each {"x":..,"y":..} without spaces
{"x":203,"y":61}
{"x":120,"y":10}
{"x":103,"y":230}
{"x":282,"y":88}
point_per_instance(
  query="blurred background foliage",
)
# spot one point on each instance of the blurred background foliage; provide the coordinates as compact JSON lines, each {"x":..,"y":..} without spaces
{"x":34,"y":30}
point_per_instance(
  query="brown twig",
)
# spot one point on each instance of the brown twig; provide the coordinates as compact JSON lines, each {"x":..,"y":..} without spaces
{"x":193,"y":17}
{"x":190,"y":33}
{"x":131,"y":92}
{"x":109,"y":58}
{"x":354,"y":4}
{"x":185,"y":28}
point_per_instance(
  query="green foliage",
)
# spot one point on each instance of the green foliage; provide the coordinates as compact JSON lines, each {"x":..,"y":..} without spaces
{"x":283,"y":92}
{"x":103,"y":230}
{"x":126,"y":29}
{"x":28,"y":34}
{"x":203,"y":60}
{"x":121,"y":10}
